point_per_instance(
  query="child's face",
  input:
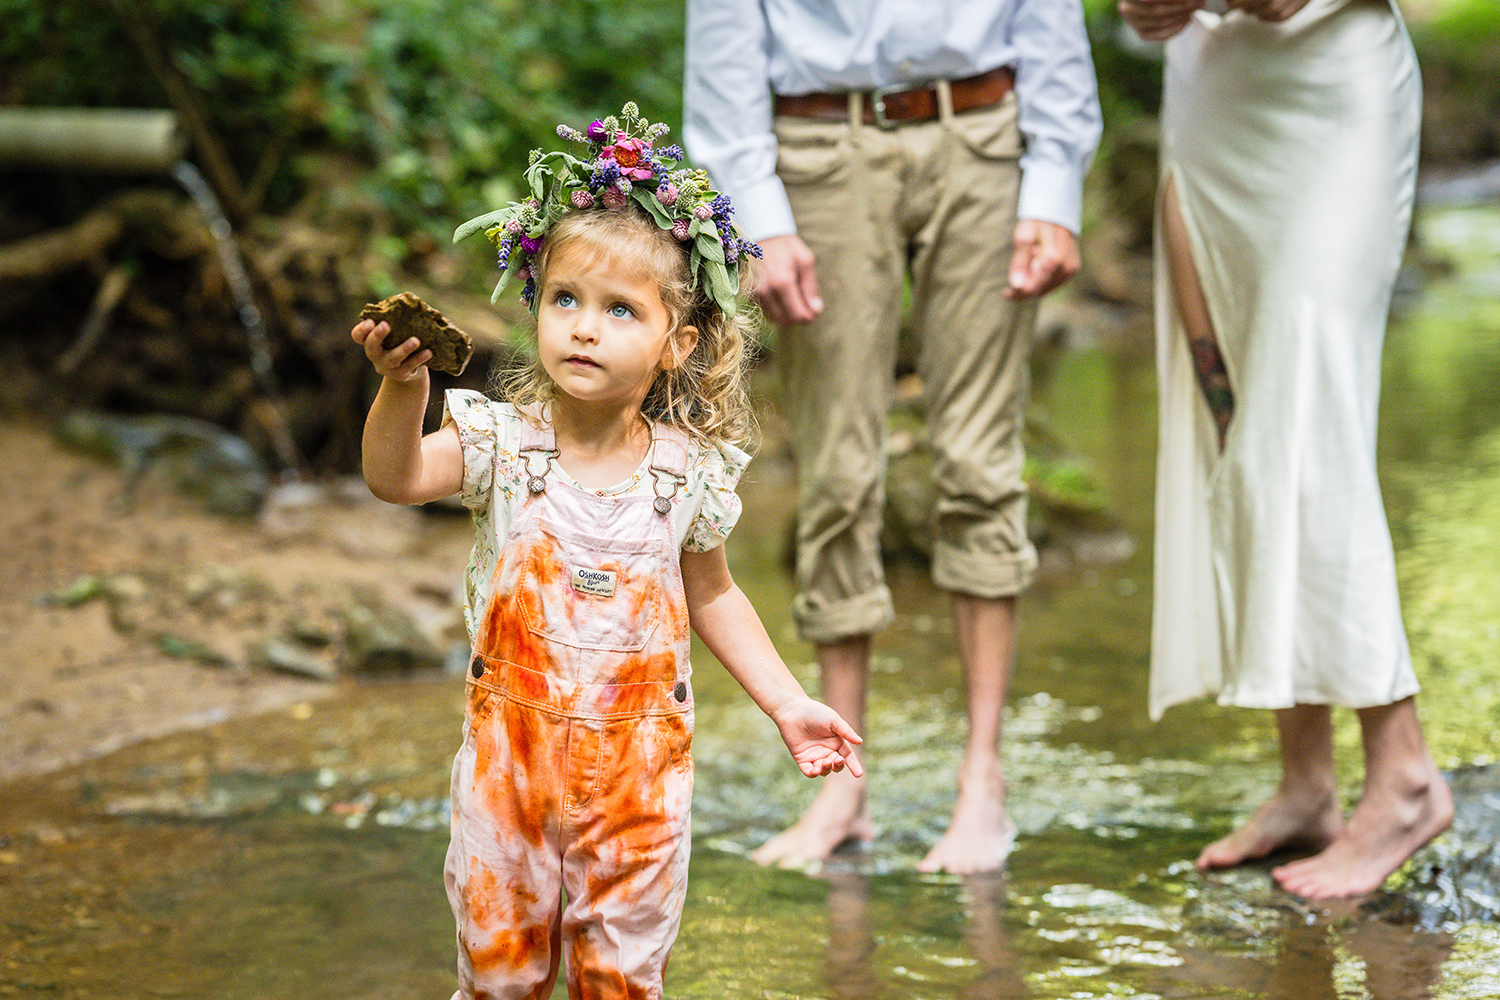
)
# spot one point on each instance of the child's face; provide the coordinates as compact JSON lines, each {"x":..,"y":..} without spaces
{"x":602,"y":335}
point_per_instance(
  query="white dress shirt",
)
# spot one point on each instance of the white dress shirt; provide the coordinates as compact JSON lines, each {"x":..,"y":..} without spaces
{"x":741,"y":51}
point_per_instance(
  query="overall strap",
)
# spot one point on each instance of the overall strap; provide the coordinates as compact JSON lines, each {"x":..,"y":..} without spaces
{"x":537,"y":448}
{"x":669,"y":460}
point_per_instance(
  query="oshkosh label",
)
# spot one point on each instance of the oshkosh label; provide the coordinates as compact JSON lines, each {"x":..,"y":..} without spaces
{"x":594,"y":582}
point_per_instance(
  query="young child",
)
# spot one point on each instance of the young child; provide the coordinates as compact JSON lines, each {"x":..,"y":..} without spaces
{"x":602,"y":492}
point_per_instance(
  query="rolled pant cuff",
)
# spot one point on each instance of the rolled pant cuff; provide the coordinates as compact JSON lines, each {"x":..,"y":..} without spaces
{"x":983,"y":575}
{"x":843,"y":619}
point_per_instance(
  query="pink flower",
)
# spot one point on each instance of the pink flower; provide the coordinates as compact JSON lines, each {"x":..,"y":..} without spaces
{"x":668,"y":194}
{"x":614,"y":198}
{"x":703,"y":213}
{"x":680,"y":229}
{"x":633,"y":156}
{"x":582,"y":199}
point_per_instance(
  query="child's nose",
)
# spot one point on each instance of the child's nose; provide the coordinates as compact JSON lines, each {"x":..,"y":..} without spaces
{"x":586,"y":326}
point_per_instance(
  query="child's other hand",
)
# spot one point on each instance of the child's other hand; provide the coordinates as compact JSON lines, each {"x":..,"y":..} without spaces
{"x":819,"y":739}
{"x":401,"y":363}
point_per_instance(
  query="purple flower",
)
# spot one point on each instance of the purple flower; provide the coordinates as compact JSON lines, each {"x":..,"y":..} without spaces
{"x":582,"y":199}
{"x":614,"y":198}
{"x":680,"y":229}
{"x":524,"y":273}
{"x":531,"y":244}
{"x":596,"y":131}
{"x":606,"y":172}
{"x":673,"y":153}
{"x":529,"y":292}
{"x":753,"y":249}
{"x":722,"y":207}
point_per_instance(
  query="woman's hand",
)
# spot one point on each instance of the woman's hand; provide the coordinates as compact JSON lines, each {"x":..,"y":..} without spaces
{"x":1269,"y":10}
{"x":1158,"y":20}
{"x":401,"y":363}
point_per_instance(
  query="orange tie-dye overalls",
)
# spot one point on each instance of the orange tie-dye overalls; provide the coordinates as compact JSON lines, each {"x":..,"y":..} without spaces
{"x":575,"y":774}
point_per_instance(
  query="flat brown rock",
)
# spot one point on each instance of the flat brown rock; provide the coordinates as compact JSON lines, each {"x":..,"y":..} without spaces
{"x":409,"y":316}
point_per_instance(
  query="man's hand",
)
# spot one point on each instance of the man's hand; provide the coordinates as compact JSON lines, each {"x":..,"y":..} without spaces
{"x":1046,"y":256}
{"x":1269,"y":10}
{"x":787,"y":289}
{"x":1158,"y":20}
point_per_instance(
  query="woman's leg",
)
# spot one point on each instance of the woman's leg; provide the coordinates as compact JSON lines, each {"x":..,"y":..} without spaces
{"x":1192,"y":307}
{"x":1405,"y":804}
{"x":1304,"y":812}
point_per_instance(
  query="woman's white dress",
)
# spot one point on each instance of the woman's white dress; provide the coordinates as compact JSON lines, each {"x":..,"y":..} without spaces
{"x":1293,"y":149}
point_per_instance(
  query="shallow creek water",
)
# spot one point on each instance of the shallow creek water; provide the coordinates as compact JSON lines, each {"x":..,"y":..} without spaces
{"x":300,"y":853}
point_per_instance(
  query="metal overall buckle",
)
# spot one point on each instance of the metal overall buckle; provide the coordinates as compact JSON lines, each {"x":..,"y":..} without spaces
{"x":537,"y":482}
{"x":662,"y":504}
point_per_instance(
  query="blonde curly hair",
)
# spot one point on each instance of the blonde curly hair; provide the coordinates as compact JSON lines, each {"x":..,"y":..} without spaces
{"x":708,"y":394}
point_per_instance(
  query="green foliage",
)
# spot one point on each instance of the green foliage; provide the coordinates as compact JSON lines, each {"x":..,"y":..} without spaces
{"x":1474,"y":21}
{"x":448,"y":96}
{"x":441,"y":98}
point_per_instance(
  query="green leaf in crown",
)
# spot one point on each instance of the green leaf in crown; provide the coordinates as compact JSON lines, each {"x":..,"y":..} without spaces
{"x":623,"y":166}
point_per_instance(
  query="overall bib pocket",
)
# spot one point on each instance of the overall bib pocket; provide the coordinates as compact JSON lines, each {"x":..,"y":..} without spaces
{"x":592,"y":593}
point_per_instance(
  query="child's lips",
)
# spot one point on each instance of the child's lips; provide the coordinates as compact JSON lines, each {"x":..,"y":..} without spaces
{"x":582,"y":361}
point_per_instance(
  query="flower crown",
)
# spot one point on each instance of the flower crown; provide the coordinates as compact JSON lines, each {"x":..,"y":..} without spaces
{"x":622,"y":166}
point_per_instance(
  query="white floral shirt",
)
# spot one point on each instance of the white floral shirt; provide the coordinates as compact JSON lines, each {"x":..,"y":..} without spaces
{"x":703,"y":511}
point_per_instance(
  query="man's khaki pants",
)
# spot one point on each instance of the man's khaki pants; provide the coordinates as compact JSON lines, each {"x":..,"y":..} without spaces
{"x":937,"y":199}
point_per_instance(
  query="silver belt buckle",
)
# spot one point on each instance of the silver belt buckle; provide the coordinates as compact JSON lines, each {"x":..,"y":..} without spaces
{"x":877,"y":103}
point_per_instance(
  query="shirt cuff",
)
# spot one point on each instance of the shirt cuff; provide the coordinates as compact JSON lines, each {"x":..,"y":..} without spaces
{"x":1051,"y":191}
{"x":762,"y":210}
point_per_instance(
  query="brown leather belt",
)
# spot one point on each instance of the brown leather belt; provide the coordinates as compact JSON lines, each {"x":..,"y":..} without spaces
{"x":892,"y":106}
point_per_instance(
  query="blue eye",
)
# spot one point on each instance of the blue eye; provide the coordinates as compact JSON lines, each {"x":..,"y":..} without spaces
{"x":564,"y":299}
{"x":620,"y":311}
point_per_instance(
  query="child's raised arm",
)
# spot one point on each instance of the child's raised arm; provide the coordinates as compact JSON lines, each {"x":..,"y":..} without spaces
{"x":818,"y":738}
{"x":400,"y":465}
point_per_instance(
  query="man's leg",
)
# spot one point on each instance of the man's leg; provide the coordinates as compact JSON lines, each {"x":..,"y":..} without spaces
{"x":840,"y":811}
{"x":838,"y":371}
{"x":975,"y":344}
{"x":980,"y":836}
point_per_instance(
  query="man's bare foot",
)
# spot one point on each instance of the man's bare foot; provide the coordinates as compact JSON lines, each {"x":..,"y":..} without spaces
{"x":1287,"y":821}
{"x":1388,"y":826}
{"x":837,"y":814}
{"x":981,"y":835}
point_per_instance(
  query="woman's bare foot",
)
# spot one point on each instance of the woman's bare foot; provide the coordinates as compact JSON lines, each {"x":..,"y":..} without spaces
{"x":981,"y":835}
{"x":1289,"y":820}
{"x":837,"y":814}
{"x":1387,"y":827}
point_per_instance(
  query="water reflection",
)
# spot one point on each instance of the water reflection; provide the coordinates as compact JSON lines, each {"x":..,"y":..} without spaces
{"x":1328,"y":957}
{"x":852,"y":972}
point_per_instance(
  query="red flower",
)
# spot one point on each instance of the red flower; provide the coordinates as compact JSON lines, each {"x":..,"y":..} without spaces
{"x":630,"y":154}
